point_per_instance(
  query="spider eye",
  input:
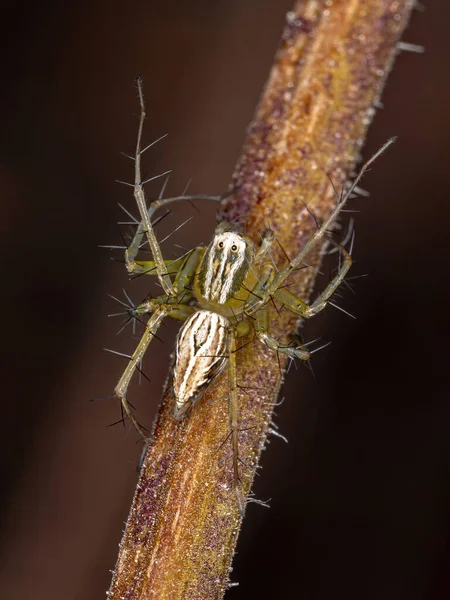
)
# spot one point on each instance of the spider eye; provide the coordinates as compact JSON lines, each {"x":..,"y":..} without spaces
{"x":220,"y":244}
{"x":234,"y":247}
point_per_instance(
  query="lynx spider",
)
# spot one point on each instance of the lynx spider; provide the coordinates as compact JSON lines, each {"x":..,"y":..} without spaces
{"x":220,"y":292}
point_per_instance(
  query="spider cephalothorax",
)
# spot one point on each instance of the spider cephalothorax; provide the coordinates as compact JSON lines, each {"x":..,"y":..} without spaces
{"x":221,"y":292}
{"x":225,"y":265}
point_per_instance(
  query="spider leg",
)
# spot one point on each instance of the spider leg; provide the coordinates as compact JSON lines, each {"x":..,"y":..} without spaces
{"x":265,"y":276}
{"x":313,"y":240}
{"x":133,"y":249}
{"x":188,"y":268}
{"x":178,"y":311}
{"x":158,"y":308}
{"x":146,"y":224}
{"x":233,"y":409}
{"x":261,"y":325}
{"x":145,"y":227}
{"x":183,"y":268}
{"x":148,"y":267}
{"x":305,"y":310}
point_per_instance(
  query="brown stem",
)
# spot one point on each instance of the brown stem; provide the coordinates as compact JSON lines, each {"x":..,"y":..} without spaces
{"x":311,"y":121}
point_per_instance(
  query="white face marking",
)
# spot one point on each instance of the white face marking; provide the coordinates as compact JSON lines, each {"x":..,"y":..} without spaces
{"x":200,"y":353}
{"x":225,"y":259}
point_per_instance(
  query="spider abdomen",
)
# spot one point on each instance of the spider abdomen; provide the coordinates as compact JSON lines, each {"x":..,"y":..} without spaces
{"x":199,"y":355}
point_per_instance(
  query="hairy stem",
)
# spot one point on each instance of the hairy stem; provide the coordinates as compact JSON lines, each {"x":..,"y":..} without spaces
{"x":310,"y":124}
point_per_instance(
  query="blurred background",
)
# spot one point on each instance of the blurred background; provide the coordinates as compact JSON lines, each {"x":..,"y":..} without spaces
{"x":360,"y":496}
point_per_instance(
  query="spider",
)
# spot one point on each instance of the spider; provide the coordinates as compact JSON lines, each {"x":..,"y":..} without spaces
{"x":220,"y":292}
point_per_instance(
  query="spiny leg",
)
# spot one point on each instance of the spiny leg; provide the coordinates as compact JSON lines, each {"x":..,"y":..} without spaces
{"x":155,"y":205}
{"x":179,"y":311}
{"x":148,"y":267}
{"x":139,"y":195}
{"x":233,"y":411}
{"x":160,"y":307}
{"x":146,"y":227}
{"x":121,"y":388}
{"x":133,"y":249}
{"x":188,"y":268}
{"x":264,"y":277}
{"x":261,"y":325}
{"x":305,"y":310}
{"x":314,"y":239}
{"x":183,"y":268}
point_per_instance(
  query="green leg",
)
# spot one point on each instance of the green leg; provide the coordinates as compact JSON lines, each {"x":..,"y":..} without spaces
{"x":312,"y":243}
{"x":261,"y":325}
{"x":233,"y":411}
{"x":132,"y":251}
{"x":158,"y":308}
{"x":265,"y":278}
{"x":182,"y":268}
{"x":178,"y":311}
{"x":241,"y":329}
{"x":148,"y":267}
{"x":188,"y":268}
{"x":145,"y":227}
{"x":307,"y":311}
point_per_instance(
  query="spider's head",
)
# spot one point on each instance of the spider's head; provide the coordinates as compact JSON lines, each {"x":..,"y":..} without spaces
{"x":226,"y":263}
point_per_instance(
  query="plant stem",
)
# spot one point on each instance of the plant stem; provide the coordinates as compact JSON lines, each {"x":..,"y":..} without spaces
{"x":311,"y":122}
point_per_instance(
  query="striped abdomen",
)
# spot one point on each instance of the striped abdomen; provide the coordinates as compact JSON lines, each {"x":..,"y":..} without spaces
{"x":200,"y":354}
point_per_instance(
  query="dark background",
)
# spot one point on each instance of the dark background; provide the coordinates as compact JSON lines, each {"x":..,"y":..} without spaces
{"x":360,"y":495}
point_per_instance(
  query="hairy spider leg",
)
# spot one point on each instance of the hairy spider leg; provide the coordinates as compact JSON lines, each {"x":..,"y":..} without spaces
{"x":160,"y":307}
{"x":233,"y":413}
{"x":139,"y":196}
{"x":301,"y":308}
{"x":146,"y":227}
{"x":278,"y":280}
{"x":182,"y":268}
{"x":261,"y":325}
{"x":178,"y":311}
{"x":261,"y":318}
{"x":133,"y":265}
